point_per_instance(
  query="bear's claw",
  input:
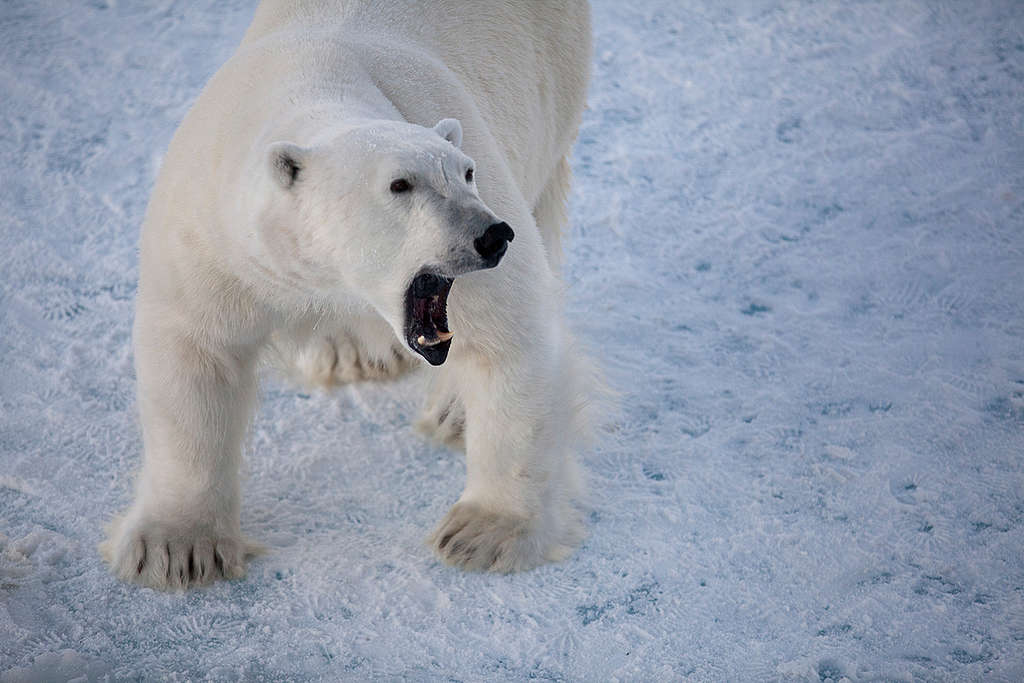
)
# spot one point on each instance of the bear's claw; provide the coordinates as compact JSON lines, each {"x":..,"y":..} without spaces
{"x":160,"y":555}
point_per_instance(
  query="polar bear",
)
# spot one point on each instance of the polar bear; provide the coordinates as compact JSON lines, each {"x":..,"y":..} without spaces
{"x":364,"y":187}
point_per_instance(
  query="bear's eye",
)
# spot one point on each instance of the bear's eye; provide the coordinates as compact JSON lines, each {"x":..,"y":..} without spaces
{"x":469,"y":175}
{"x":401,"y":185}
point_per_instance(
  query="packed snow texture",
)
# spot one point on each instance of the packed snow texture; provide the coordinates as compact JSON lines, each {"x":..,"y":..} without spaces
{"x":797,"y":246}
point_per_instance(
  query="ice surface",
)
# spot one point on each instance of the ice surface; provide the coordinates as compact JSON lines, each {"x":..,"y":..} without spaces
{"x":798,"y":243}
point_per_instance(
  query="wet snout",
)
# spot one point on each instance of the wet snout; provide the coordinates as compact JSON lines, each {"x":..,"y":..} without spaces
{"x":426,"y":297}
{"x":493,"y":243}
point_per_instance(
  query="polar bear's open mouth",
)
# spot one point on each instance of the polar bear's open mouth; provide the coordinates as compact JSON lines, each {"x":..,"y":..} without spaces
{"x":426,"y":317}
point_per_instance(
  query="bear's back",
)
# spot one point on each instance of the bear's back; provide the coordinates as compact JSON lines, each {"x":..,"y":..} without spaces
{"x":524,"y":63}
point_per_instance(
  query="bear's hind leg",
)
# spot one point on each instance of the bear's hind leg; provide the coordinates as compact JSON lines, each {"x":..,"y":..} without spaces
{"x":443,"y":417}
{"x":551,"y":213}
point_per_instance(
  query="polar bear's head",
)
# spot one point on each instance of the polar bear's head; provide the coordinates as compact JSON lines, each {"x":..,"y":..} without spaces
{"x":387,"y":211}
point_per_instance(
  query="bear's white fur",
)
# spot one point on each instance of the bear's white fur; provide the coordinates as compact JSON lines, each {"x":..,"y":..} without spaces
{"x":275,"y":225}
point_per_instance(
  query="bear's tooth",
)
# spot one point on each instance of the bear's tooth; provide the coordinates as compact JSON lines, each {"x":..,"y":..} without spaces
{"x":441,"y":337}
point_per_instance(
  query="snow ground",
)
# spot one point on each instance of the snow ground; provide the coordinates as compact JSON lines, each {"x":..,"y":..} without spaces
{"x":798,"y":243}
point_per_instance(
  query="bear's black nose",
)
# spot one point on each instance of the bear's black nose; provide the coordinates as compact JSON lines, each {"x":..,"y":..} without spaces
{"x":493,"y":243}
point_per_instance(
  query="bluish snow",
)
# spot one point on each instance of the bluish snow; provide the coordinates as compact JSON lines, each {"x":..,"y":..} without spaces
{"x":798,"y":244}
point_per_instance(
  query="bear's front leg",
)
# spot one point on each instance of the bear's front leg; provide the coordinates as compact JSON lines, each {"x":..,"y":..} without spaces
{"x":195,"y":400}
{"x":522,"y":480}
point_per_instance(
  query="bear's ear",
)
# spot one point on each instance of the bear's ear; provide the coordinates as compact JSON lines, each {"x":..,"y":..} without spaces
{"x":285,"y":161}
{"x":450,"y":130}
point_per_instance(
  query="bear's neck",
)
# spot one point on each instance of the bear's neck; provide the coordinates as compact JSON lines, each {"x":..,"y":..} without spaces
{"x":315,"y":115}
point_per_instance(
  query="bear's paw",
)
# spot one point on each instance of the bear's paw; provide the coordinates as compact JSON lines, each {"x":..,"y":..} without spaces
{"x":340,"y":359}
{"x":169,"y":556}
{"x":444,"y":421}
{"x":474,"y":538}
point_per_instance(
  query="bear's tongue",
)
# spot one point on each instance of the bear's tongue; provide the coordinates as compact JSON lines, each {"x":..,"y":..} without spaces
{"x":432,"y":315}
